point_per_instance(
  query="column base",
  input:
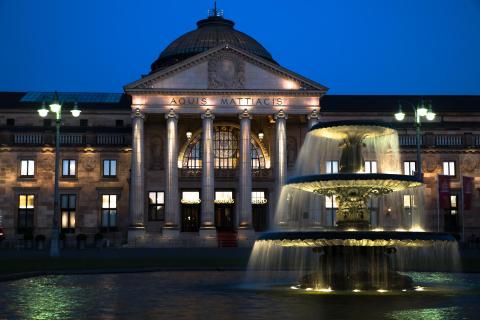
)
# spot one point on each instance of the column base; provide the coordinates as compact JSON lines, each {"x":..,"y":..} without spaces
{"x":246,"y":236}
{"x":136,"y":236}
{"x":171,"y":232}
{"x":208,"y":235}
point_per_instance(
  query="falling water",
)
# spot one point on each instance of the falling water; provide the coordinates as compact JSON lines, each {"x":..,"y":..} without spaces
{"x":367,"y":264}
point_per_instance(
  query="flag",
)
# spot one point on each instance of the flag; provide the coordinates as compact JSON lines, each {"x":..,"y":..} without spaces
{"x":467,"y":189}
{"x":444,"y":191}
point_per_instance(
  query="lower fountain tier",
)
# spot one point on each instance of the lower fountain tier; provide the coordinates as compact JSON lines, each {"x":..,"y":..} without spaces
{"x":354,"y":238}
{"x":360,"y":268}
{"x":352,"y":192}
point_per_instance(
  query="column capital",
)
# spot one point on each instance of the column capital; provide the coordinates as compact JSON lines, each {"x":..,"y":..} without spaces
{"x":245,"y":115}
{"x":171,"y":114}
{"x":313,"y":115}
{"x":137,"y":113}
{"x":281,"y":115}
{"x":208,"y":114}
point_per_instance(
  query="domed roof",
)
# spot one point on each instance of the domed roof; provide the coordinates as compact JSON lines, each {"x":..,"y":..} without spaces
{"x":211,"y":32}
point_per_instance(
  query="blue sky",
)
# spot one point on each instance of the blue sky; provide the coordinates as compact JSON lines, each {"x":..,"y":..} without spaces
{"x":351,"y":46}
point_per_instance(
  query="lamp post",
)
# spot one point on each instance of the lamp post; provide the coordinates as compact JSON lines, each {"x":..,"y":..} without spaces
{"x":56,"y":108}
{"x":420,"y":110}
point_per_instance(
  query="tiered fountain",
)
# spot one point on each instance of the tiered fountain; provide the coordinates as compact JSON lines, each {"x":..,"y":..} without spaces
{"x":351,"y":253}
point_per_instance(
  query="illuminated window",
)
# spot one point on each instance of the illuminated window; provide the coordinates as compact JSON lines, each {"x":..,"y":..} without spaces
{"x":27,"y":168}
{"x":224,"y":197}
{"x":109,"y":168}
{"x":331,"y":167}
{"x":26,"y":209}
{"x":69,"y":168}
{"x":453,"y":205}
{"x":408,"y":204}
{"x":258,"y":197}
{"x":409,"y":168}
{"x":190,"y":197}
{"x":331,"y":202}
{"x":156,"y":206}
{"x":68,"y":204}
{"x":449,"y":168}
{"x":226,"y":150}
{"x":370,"y":166}
{"x":109,"y":211}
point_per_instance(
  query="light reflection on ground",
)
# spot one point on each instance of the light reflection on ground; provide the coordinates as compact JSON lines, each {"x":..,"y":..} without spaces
{"x":221,"y":295}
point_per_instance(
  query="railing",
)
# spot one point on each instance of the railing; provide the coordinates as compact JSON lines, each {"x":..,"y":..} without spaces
{"x":71,"y":138}
{"x":409,"y":140}
{"x":448,"y":140}
{"x":225,"y":173}
{"x":28,"y":138}
{"x":190,"y":173}
{"x":476,"y":140}
{"x":111,"y":139}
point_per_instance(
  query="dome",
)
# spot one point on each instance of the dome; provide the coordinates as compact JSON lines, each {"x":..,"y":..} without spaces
{"x":211,"y":32}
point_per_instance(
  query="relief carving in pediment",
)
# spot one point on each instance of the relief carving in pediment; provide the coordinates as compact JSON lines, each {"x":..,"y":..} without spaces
{"x":226,"y":71}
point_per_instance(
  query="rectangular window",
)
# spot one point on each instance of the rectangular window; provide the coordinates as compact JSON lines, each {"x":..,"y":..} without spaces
{"x":110,"y":168}
{"x":408,"y":204}
{"x":26,"y":208}
{"x":449,"y":168}
{"x":331,"y":167}
{"x":11,"y":122}
{"x":370,"y":166}
{"x":83,"y":122}
{"x":118,"y":123}
{"x":258,"y":197}
{"x":224,"y":197}
{"x":331,"y":202}
{"x":109,"y":211}
{"x":68,"y":203}
{"x":409,"y":168}
{"x":27,"y":168}
{"x":69,"y":168}
{"x":156,"y":206}
{"x":47,"y":123}
{"x":190,"y":197}
{"x":453,"y":204}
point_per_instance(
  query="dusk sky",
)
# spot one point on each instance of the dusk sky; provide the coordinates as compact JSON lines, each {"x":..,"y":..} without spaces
{"x":351,"y":46}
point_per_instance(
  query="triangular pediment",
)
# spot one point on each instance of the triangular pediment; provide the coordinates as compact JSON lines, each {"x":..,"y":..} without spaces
{"x":225,"y":68}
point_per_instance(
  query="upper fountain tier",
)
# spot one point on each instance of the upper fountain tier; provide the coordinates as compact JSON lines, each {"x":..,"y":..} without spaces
{"x":352,"y":187}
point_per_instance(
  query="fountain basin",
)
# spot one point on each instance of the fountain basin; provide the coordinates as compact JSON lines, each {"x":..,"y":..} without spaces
{"x":354,"y":238}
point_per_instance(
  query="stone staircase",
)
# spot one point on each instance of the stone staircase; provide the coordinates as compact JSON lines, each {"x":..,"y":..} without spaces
{"x":227,"y":239}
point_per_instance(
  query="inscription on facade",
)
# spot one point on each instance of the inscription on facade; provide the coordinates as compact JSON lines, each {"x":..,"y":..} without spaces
{"x":228,"y":101}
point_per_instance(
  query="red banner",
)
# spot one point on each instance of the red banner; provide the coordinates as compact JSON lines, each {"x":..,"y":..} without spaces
{"x":467,"y":192}
{"x":444,"y":191}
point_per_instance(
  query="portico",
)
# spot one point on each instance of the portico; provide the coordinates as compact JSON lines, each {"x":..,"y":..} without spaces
{"x":219,"y":121}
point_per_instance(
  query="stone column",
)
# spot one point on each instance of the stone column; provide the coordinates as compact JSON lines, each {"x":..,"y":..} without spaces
{"x":280,"y":165}
{"x":137,"y":180}
{"x":312,"y":118}
{"x":207,"y":228}
{"x":315,"y":200}
{"x":172,"y":204}
{"x":245,"y":172}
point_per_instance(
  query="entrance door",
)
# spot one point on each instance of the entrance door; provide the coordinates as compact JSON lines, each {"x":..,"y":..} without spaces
{"x":190,"y":217}
{"x":259,"y":217}
{"x":224,"y":218}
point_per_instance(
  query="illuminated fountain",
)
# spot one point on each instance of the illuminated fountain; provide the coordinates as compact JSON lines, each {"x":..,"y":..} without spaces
{"x":352,"y":254}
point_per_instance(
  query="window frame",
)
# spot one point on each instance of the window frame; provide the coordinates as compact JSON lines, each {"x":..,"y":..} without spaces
{"x":69,"y":211}
{"x":329,"y":166}
{"x":449,"y":162}
{"x":69,"y":161}
{"x":109,"y":168}
{"x":371,"y":164}
{"x":29,"y":213}
{"x":109,"y":211}
{"x":409,"y":164}
{"x":28,"y":160}
{"x":153,"y":210}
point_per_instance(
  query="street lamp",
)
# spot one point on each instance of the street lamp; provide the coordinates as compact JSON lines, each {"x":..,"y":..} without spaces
{"x":420,"y":110}
{"x":56,"y":108}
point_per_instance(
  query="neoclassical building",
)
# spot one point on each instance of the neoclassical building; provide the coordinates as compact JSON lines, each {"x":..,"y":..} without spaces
{"x":195,"y":153}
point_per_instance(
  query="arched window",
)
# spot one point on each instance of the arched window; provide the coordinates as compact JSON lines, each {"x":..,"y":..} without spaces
{"x":226,"y":152}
